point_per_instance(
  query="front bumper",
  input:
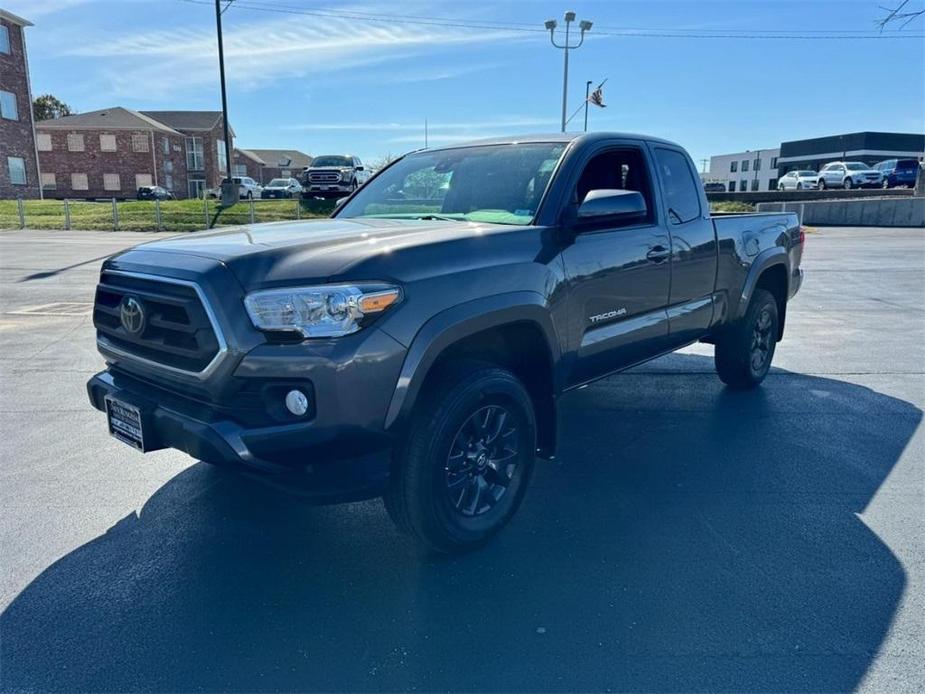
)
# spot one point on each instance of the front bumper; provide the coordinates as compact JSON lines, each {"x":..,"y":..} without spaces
{"x":338,"y":451}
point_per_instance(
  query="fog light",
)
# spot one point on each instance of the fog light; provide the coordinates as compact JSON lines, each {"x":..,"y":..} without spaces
{"x":296,"y":402}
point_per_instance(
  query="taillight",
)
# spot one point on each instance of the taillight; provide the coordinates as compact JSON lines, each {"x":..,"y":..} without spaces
{"x":802,"y":234}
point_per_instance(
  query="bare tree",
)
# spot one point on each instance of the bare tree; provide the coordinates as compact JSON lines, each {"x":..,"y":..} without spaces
{"x":383,"y":161}
{"x":897,"y":14}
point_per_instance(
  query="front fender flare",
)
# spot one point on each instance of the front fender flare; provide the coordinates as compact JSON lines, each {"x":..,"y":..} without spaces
{"x":456,"y":323}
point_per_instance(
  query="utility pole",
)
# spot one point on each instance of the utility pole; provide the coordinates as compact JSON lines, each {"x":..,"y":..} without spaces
{"x":551,"y":25}
{"x":229,"y":189}
{"x":425,"y":132}
{"x":703,"y":165}
{"x":587,"y":96}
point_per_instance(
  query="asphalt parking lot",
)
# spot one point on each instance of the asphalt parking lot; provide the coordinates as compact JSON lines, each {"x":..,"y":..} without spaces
{"x":687,"y":538}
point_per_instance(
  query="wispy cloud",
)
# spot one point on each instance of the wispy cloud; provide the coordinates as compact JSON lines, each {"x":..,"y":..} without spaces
{"x":33,"y":9}
{"x":500,"y":122}
{"x":257,"y":52}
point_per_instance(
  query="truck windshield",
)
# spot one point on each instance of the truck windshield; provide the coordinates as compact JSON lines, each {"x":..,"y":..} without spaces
{"x":331,"y":161}
{"x":500,"y":184}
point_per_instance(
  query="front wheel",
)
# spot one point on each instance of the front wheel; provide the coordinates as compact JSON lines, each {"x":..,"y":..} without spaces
{"x":799,"y":186}
{"x":780,"y":187}
{"x":885,"y":184}
{"x":821,"y":184}
{"x":848,"y":184}
{"x":745,"y":349}
{"x":467,"y":459}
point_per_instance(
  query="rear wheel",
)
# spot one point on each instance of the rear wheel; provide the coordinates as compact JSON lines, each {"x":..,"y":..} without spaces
{"x":744,"y":351}
{"x":467,"y":459}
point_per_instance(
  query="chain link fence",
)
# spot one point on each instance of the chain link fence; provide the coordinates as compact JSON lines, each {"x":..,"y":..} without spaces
{"x":154,"y":215}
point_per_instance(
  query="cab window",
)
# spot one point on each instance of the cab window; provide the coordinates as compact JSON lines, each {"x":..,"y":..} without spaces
{"x":682,"y":199}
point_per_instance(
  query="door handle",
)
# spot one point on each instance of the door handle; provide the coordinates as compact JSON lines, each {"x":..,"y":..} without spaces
{"x":658,"y":254}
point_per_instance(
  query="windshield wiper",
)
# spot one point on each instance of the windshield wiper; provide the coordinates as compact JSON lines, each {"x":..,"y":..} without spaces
{"x":439,"y":218}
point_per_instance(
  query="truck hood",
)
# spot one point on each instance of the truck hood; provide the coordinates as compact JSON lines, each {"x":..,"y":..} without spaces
{"x":278,"y":253}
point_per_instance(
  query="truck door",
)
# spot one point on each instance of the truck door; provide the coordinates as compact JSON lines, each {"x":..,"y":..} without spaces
{"x":618,"y":272}
{"x":693,"y":246}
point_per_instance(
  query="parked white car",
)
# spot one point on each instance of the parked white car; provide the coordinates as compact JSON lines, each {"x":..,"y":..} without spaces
{"x":849,"y":174}
{"x":798,"y":180}
{"x":248,"y":188}
{"x":282,"y":188}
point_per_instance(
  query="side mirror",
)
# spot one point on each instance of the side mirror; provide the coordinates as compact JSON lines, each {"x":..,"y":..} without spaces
{"x":339,"y":202}
{"x":359,"y":168}
{"x":622,"y":205}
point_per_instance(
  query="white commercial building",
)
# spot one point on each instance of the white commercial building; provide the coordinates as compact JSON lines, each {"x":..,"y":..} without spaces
{"x":745,"y":171}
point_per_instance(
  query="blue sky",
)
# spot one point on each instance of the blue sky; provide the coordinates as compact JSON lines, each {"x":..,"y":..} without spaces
{"x":332,"y":82}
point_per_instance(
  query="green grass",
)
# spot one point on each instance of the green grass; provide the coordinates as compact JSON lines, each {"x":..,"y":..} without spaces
{"x":731,"y":206}
{"x":176,"y":215}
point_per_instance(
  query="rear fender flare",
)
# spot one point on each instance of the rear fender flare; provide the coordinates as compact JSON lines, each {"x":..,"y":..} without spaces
{"x":457,"y":323}
{"x":766,"y":259}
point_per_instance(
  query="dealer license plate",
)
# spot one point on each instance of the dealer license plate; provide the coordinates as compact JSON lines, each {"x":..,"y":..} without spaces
{"x":125,"y":423}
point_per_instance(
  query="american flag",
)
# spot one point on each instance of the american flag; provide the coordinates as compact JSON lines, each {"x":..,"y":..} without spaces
{"x":597,"y":96}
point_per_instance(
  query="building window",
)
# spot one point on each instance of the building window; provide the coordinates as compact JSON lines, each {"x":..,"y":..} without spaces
{"x":111,"y":182}
{"x":733,"y":166}
{"x":8,"y":108}
{"x":754,"y":184}
{"x":222,"y":161}
{"x":107,"y":143}
{"x":773,"y":162}
{"x":285,"y":173}
{"x":194,"y":158}
{"x":139,"y":142}
{"x":744,"y":165}
{"x":49,"y":181}
{"x":17,"y":168}
{"x":4,"y":39}
{"x":743,"y":186}
{"x":75,"y":142}
{"x":168,"y":181}
{"x":143,"y":180}
{"x":79,"y":181}
{"x":165,"y":142}
{"x":168,"y":166}
{"x":240,"y":169}
{"x":757,"y":163}
{"x":43,"y":142}
{"x":732,"y":186}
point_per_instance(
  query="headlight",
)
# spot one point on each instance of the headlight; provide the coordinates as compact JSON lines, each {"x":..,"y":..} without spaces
{"x":324,"y":311}
{"x":346,"y":174}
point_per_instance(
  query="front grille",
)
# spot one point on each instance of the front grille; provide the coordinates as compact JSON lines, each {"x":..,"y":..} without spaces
{"x":176,"y":331}
{"x":324,"y":177}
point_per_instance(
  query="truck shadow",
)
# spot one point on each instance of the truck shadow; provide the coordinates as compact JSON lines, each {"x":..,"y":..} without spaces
{"x":688,"y":538}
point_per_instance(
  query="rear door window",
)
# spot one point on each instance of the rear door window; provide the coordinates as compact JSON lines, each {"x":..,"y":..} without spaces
{"x":682,"y":199}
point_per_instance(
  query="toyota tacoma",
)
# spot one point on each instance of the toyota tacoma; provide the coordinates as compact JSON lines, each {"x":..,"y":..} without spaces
{"x":415,"y":345}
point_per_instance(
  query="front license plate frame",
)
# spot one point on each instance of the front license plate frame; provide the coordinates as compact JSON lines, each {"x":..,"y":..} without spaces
{"x":125,"y":423}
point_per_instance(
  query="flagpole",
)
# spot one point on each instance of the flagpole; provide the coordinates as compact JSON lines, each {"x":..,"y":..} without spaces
{"x":587,"y":94}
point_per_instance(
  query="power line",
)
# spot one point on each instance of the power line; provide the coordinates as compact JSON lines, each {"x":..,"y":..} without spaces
{"x":422,"y":20}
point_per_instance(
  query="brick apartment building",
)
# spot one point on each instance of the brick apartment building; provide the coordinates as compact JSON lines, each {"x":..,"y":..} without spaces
{"x":19,"y":172}
{"x":114,"y":151}
{"x":280,"y":163}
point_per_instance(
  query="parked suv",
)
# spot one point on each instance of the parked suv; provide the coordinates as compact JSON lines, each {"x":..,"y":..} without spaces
{"x":334,"y":175}
{"x":849,"y":174}
{"x":898,"y":172}
{"x":415,"y":345}
{"x":248,"y":188}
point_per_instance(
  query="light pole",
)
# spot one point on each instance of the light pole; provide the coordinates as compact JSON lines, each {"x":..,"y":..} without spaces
{"x":551,"y":25}
{"x":229,"y":190}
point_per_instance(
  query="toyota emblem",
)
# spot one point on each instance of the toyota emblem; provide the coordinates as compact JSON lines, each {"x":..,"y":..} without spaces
{"x":132,"y":315}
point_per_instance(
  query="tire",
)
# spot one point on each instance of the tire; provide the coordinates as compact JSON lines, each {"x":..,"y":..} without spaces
{"x":821,"y":184}
{"x":885,"y":185}
{"x":447,"y":489}
{"x":799,"y":186}
{"x":848,"y":184}
{"x":780,"y":187}
{"x":745,"y":349}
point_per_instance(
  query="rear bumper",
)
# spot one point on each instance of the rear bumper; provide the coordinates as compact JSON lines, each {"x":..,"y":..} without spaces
{"x":327,"y":469}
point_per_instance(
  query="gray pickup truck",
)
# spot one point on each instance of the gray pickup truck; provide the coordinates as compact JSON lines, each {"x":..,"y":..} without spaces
{"x":415,"y":345}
